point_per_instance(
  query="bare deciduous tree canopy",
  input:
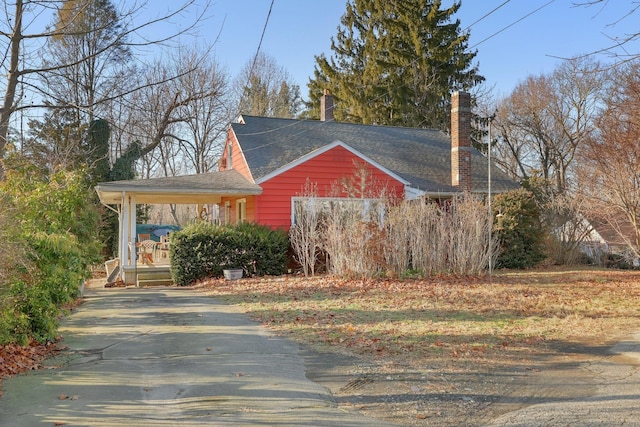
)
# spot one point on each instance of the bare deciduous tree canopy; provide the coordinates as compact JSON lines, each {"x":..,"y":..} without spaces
{"x":23,"y":36}
{"x":610,"y":172}
{"x":544,"y":121}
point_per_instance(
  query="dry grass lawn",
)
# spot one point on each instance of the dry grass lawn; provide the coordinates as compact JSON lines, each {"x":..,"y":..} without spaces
{"x":432,"y":339}
{"x":512,"y":315}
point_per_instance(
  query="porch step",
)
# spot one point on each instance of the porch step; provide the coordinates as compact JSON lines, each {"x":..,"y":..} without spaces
{"x":155,"y":277}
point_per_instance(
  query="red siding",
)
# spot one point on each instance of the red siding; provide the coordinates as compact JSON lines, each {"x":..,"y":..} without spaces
{"x":273,"y":207}
{"x":250,"y":209}
{"x":238,"y":161}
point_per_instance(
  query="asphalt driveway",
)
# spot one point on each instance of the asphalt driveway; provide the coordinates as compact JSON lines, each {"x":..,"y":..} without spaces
{"x":169,"y":357}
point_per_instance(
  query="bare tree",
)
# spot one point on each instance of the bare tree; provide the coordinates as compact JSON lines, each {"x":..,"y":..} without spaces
{"x":618,"y":42}
{"x":22,"y":44}
{"x":180,"y":120}
{"x":208,"y":115}
{"x":88,"y":57}
{"x":544,"y":121}
{"x":305,"y":233}
{"x":611,"y":160}
{"x":264,"y":88}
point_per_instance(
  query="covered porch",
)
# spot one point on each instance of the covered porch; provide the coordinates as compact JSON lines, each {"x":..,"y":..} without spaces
{"x":123,"y":197}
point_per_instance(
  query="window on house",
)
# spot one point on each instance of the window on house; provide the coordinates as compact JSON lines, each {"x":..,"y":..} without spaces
{"x":230,"y":156}
{"x":370,"y":210}
{"x":241,"y":210}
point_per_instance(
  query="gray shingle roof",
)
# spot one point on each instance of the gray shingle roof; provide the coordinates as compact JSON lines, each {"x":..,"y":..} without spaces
{"x":420,"y":156}
{"x":175,"y":189}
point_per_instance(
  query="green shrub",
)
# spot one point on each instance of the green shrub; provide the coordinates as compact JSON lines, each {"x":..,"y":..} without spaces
{"x":62,"y":265}
{"x":31,"y":308}
{"x":35,"y":314}
{"x":54,"y":224}
{"x":14,"y":325}
{"x":203,"y":250}
{"x":265,"y":249}
{"x":522,"y":235}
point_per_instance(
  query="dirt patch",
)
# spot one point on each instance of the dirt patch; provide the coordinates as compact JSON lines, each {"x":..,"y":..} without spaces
{"x":449,"y":394}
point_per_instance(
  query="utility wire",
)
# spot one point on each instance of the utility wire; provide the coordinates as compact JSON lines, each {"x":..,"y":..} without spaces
{"x":513,"y":23}
{"x":415,"y":60}
{"x":255,"y":57}
{"x":485,"y":16}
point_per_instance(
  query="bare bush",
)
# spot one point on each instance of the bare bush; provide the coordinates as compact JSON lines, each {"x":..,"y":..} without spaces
{"x":571,"y":229}
{"x":304,"y":234}
{"x":415,"y":238}
{"x":468,"y":224}
{"x":353,"y":243}
{"x":368,"y":233}
{"x":432,"y":240}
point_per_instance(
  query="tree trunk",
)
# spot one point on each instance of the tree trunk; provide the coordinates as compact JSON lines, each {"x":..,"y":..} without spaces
{"x":8,"y":106}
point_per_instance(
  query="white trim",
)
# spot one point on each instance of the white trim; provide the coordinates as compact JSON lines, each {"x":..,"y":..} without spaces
{"x":227,"y":212}
{"x":365,"y":202}
{"x":412,"y":193}
{"x":323,"y":150}
{"x":241,"y":210}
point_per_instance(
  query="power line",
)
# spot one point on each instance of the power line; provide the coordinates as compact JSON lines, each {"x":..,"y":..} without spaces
{"x":513,"y":23}
{"x":255,"y":57}
{"x":485,"y":16}
{"x":389,"y":91}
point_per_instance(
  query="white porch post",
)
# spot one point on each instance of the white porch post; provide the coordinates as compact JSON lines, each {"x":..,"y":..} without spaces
{"x":131,"y":201}
{"x":124,"y":233}
{"x":127,"y":230}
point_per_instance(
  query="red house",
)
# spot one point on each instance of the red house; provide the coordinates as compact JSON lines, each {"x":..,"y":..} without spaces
{"x":281,"y":155}
{"x":266,"y":163}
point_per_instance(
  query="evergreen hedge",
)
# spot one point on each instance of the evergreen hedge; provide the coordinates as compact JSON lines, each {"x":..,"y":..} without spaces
{"x":522,"y":235}
{"x":204,"y":250}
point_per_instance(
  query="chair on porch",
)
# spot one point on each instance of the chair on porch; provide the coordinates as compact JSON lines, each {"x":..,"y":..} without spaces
{"x":163,"y":246}
{"x":143,"y":236}
{"x":147,"y":250}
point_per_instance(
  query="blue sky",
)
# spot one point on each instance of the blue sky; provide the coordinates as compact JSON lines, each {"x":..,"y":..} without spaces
{"x":300,"y":29}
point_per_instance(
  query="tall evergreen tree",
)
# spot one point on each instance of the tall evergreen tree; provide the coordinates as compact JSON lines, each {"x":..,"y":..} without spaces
{"x":395,"y":63}
{"x":97,"y":150}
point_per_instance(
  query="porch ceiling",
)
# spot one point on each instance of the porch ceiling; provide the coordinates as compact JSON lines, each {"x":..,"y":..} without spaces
{"x":189,"y":189}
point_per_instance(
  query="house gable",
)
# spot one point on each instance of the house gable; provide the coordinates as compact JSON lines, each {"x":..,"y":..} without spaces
{"x":326,"y":168}
{"x":233,"y":158}
{"x":325,"y":149}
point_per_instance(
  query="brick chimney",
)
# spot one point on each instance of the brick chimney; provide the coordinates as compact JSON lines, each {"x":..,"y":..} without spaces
{"x":326,"y":106}
{"x":461,"y":141}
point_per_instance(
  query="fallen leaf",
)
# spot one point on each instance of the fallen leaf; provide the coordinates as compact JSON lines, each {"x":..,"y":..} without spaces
{"x":63,"y":397}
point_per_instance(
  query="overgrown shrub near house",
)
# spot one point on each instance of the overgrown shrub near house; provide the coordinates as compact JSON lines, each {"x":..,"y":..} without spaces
{"x":429,"y":239}
{"x":521,"y":236}
{"x":412,"y":237}
{"x":52,"y":225}
{"x":204,"y":250}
